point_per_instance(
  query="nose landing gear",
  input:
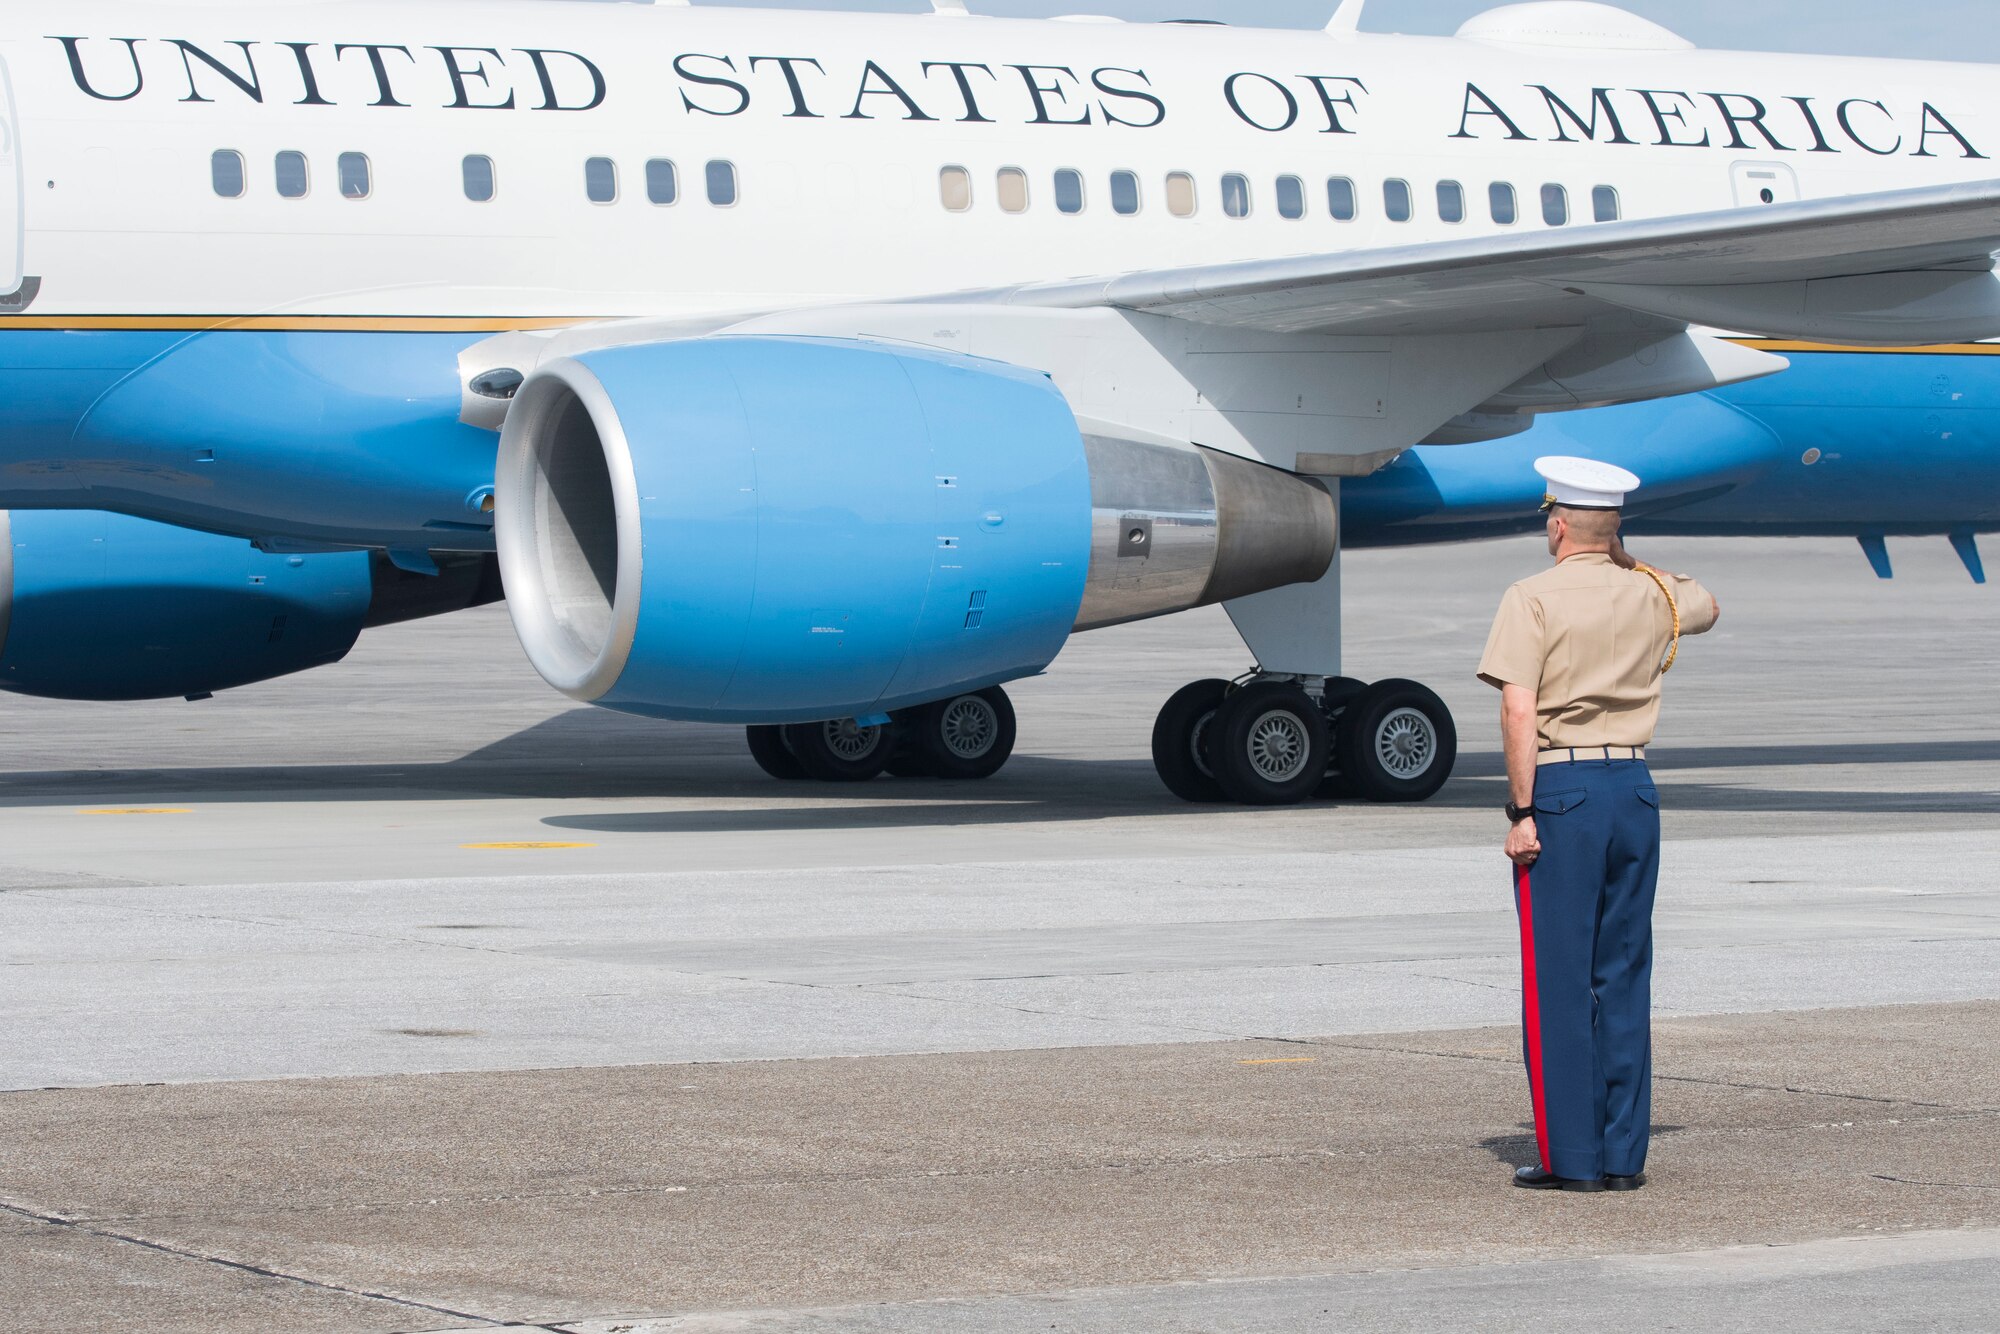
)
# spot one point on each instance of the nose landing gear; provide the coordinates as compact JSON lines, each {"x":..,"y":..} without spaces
{"x":1276,"y":741}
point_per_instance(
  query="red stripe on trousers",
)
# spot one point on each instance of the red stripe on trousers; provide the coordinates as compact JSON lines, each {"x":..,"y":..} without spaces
{"x":1532,"y":1010}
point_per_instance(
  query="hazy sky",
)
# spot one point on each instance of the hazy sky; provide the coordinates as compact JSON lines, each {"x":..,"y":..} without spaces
{"x":1934,"y":29}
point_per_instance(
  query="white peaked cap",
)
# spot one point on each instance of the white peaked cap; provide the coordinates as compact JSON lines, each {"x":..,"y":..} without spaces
{"x":1586,"y":483}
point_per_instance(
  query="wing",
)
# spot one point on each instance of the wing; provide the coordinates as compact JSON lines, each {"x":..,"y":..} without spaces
{"x":1911,"y":266}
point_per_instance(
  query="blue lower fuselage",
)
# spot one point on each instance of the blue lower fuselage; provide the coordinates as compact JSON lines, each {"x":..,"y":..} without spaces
{"x":348,"y":438}
{"x":1853,"y":444}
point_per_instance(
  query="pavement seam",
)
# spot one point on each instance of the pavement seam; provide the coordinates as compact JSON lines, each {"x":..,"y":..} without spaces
{"x":1051,"y":1170}
{"x":74,"y":1225}
{"x":1947,"y":1185}
{"x":1658,"y":1078}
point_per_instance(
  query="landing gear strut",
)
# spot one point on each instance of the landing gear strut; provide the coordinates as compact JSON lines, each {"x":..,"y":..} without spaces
{"x":1275,"y":741}
{"x":965,"y":737}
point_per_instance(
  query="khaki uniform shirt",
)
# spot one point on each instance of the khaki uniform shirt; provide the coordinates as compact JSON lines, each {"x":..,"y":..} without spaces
{"x":1588,"y":637}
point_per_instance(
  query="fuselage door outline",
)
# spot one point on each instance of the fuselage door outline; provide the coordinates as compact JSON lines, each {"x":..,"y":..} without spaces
{"x":13,"y":191}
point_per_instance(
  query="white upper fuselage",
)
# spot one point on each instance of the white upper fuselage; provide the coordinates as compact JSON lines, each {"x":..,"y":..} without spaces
{"x":838,"y":128}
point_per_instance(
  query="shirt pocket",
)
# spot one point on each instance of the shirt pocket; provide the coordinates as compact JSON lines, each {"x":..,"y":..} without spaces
{"x":1559,"y":803}
{"x":1649,"y":795}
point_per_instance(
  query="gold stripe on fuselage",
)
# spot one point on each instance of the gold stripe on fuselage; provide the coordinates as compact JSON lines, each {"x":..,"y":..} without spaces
{"x":1937,"y":350}
{"x":514,"y":324}
{"x":291,"y":323}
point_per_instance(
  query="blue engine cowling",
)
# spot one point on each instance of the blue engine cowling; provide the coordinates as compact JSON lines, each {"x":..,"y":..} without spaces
{"x":97,"y":606}
{"x":784,"y":530}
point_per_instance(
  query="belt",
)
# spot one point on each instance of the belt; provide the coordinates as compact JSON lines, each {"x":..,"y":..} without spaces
{"x":1576,"y":754}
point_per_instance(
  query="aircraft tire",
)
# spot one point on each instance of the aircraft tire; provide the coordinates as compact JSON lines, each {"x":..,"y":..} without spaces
{"x":1178,"y":735}
{"x":1268,"y":745}
{"x":773,"y":756}
{"x":839,"y":751}
{"x":967,"y":737}
{"x":1397,"y":742}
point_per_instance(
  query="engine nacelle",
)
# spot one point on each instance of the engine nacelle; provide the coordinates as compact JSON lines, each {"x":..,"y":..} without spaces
{"x":98,"y":606}
{"x":768,"y":530}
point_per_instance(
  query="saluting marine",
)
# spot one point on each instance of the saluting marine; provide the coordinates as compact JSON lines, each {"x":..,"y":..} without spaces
{"x":1578,"y":654}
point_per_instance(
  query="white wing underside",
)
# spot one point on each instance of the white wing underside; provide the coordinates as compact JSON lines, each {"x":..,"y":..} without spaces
{"x":1901,"y":267}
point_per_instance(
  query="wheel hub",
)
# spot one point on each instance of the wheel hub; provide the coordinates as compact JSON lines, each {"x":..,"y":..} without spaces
{"x":1406,"y":744}
{"x":969,"y":727}
{"x":851,"y":741}
{"x":1279,"y":746}
{"x":1197,"y":738}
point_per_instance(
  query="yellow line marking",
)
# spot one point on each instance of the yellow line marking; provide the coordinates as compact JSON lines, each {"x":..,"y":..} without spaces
{"x":520,"y":847}
{"x":1283,"y":1060}
{"x":291,"y":323}
{"x":142,"y":810}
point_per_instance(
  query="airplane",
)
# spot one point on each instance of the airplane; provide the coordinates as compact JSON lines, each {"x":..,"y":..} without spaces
{"x":822,"y":373}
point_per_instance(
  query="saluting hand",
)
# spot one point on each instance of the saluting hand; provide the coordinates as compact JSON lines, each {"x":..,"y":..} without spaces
{"x":1524,"y":845}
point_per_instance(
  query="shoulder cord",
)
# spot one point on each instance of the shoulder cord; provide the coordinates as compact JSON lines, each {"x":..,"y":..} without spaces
{"x":1674,"y":648}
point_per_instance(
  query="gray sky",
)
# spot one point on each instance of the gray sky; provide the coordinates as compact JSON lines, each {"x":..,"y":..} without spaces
{"x":1929,"y":29}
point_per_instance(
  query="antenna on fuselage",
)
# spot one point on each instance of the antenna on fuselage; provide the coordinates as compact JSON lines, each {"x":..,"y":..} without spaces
{"x":1347,"y":18}
{"x":953,"y":8}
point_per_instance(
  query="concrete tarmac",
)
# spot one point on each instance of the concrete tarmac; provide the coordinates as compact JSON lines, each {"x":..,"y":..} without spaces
{"x":289,"y":1043}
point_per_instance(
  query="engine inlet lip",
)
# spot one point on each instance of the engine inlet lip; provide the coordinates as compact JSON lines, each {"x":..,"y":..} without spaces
{"x":541,"y":398}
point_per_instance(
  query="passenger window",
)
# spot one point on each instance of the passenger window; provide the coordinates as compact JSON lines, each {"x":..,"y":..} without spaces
{"x":1555,"y":205}
{"x":663,"y":182}
{"x":1451,"y":201}
{"x":1069,"y":191}
{"x":225,"y":169}
{"x":1506,"y":206}
{"x":1124,"y":193}
{"x":1604,"y":203}
{"x":1181,"y":198}
{"x":481,"y":180}
{"x":1396,"y":200}
{"x":1291,"y":198}
{"x":600,"y":180}
{"x":955,"y":189}
{"x":356,"y":178}
{"x":723,"y":191}
{"x":1013,"y":185}
{"x":1341,"y":199}
{"x":1236,"y":195}
{"x":292,"y":176}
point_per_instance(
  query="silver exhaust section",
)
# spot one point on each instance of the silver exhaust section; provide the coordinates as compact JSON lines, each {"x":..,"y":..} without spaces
{"x":6,"y":574}
{"x":1179,"y":526}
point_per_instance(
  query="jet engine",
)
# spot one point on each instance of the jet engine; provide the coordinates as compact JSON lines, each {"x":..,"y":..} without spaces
{"x":786,"y":530}
{"x":97,"y":606}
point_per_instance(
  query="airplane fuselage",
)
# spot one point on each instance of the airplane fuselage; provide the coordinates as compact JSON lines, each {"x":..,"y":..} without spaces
{"x":457,"y":161}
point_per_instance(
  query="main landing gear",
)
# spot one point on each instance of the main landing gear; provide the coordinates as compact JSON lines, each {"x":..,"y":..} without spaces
{"x":964,"y":737}
{"x":1277,"y":741}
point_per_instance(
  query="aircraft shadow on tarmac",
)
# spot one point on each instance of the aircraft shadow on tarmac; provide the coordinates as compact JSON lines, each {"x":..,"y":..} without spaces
{"x":591,"y":754}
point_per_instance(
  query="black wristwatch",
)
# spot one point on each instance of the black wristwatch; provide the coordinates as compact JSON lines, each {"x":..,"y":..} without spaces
{"x":1520,"y":813}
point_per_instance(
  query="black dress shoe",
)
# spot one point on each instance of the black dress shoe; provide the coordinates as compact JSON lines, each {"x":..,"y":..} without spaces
{"x":1536,"y":1178}
{"x":1633,"y":1182}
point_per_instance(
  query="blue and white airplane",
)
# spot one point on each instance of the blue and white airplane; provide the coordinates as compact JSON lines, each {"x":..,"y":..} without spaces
{"x":839,"y":367}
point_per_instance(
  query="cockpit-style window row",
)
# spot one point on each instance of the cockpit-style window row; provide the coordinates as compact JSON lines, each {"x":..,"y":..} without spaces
{"x":1289,"y":197}
{"x":355,"y":176}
